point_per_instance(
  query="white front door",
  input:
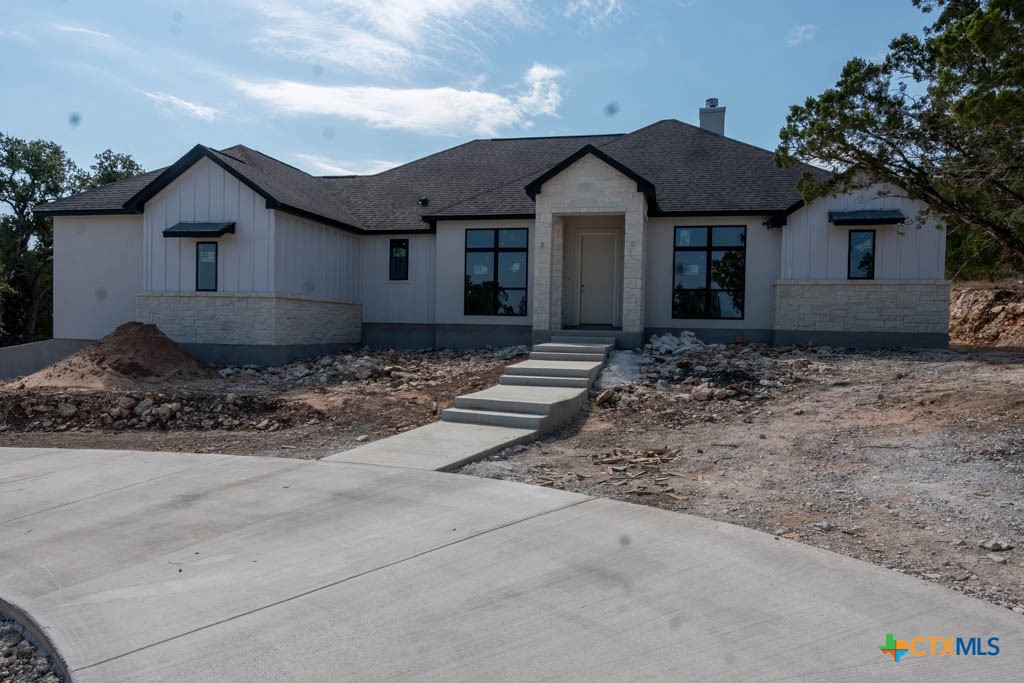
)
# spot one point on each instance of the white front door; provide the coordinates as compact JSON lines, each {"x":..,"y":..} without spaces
{"x":597,"y":279}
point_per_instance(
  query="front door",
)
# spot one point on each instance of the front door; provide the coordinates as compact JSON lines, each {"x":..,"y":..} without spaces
{"x":597,"y":279}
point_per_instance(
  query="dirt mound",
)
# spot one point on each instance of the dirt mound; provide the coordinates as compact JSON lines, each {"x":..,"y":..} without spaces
{"x":987,"y":316}
{"x":132,"y":353}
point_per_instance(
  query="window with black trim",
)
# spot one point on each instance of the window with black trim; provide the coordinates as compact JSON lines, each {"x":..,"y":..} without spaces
{"x":206,"y":266}
{"x":861,"y":264}
{"x":496,"y":271}
{"x":709,"y":272}
{"x":399,"y":260}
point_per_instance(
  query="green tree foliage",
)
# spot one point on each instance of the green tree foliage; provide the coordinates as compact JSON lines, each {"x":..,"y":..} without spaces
{"x":941,"y":118}
{"x":33,"y":173}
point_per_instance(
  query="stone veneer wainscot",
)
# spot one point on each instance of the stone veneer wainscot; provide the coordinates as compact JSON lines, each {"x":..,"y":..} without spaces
{"x":249,"y":318}
{"x":909,"y":306}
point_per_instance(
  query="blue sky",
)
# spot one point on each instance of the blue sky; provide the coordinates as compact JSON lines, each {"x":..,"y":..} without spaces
{"x":336,"y":86}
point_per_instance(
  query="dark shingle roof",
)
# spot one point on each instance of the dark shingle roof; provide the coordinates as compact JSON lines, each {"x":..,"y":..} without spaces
{"x":107,"y":199}
{"x":691,"y":170}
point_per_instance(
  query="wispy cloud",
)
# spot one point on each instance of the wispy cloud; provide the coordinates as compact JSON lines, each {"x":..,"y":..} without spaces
{"x":801,"y":34}
{"x":327,"y":166}
{"x":595,"y":12}
{"x":171,"y":105}
{"x":380,"y":36}
{"x":439,"y":111}
{"x":6,"y":33}
{"x":67,"y":28}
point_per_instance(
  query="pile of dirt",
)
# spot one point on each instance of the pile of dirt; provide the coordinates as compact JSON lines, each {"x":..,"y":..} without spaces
{"x":987,"y":316}
{"x":132,"y":353}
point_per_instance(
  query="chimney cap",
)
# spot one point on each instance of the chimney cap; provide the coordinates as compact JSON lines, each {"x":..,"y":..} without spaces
{"x":711,"y":102}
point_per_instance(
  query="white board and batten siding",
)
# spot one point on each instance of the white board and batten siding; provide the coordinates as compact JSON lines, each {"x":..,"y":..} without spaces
{"x":269,"y":252}
{"x":207,"y":193}
{"x":814,"y":249}
{"x":315,"y":261}
{"x":398,"y":301}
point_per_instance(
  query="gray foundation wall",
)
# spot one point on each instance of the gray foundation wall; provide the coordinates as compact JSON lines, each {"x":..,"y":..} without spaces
{"x":24,"y":359}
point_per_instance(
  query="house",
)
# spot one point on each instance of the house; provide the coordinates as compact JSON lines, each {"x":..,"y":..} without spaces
{"x":240,"y":257}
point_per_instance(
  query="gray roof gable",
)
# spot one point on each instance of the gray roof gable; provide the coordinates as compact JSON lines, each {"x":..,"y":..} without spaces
{"x":688,"y":171}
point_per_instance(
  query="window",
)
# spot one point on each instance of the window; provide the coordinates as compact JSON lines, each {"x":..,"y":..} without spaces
{"x":399,"y":269}
{"x":709,"y":272}
{"x":862,"y":255}
{"x":206,"y":266}
{"x":496,"y":272}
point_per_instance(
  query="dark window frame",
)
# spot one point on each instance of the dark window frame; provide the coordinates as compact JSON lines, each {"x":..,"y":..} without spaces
{"x":708,"y":249}
{"x":216,"y":265}
{"x":496,"y":249}
{"x":849,"y":253}
{"x":398,"y":274}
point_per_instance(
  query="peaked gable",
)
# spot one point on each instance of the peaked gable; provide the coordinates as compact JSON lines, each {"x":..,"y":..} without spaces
{"x":642,"y":184}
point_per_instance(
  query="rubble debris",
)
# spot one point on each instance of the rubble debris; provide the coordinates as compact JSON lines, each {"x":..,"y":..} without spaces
{"x":987,"y":315}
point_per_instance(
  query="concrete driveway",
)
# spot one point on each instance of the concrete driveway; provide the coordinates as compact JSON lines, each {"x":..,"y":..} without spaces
{"x":175,"y":567}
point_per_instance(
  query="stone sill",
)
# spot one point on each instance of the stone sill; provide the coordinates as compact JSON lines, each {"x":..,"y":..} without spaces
{"x":247,"y":295}
{"x":861,"y":283}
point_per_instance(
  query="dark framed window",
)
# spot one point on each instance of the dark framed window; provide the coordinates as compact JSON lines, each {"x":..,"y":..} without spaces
{"x":496,"y":271}
{"x":861,"y":264}
{"x":206,"y":266}
{"x":709,"y":272}
{"x":399,"y":260}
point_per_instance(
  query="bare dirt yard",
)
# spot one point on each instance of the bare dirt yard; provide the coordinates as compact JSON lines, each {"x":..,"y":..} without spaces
{"x":137,"y":390}
{"x":913,"y":460}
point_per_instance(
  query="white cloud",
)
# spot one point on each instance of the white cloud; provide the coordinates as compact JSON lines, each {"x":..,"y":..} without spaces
{"x":327,"y":166}
{"x":380,"y":36}
{"x":66,"y":28}
{"x":595,"y":11}
{"x":440,"y":111}
{"x":170,"y":105}
{"x":801,"y":34}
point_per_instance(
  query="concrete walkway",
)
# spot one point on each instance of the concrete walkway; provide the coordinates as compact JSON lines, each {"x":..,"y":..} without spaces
{"x":179,"y":567}
{"x":531,"y":398}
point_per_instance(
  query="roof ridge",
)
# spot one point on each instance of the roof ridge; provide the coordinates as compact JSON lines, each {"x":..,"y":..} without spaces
{"x":553,"y":137}
{"x":267,"y":156}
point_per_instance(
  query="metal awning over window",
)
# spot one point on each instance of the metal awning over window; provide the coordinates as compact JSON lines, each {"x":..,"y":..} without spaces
{"x":199,"y":229}
{"x":867,"y":217}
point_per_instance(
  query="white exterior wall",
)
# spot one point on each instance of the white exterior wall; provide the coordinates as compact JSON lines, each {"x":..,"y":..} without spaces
{"x":814,"y":249}
{"x":399,"y":301}
{"x":206,"y":192}
{"x":763,"y":249}
{"x":451,"y":274}
{"x":314,"y":260}
{"x":97,"y":269}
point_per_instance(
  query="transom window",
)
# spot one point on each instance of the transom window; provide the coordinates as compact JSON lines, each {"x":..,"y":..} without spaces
{"x":709,"y":272}
{"x":862,"y":255}
{"x":399,"y":260}
{"x":206,"y":266}
{"x":496,"y":271}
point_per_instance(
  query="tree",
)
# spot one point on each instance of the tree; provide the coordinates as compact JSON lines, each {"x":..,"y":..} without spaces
{"x":109,"y":167}
{"x":941,"y":118}
{"x":33,"y":173}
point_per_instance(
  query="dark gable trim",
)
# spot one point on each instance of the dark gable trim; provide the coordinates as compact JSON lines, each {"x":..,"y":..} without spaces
{"x":432,"y":220}
{"x":138,"y":201}
{"x":780,"y":219}
{"x":43,"y":213}
{"x":642,"y":184}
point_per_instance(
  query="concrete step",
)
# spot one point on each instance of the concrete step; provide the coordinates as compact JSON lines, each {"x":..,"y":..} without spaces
{"x":535,"y":381}
{"x":554,"y":368}
{"x":552,"y":347}
{"x":493,"y":417}
{"x":557,"y":402}
{"x":548,"y":355}
{"x":564,"y":338}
